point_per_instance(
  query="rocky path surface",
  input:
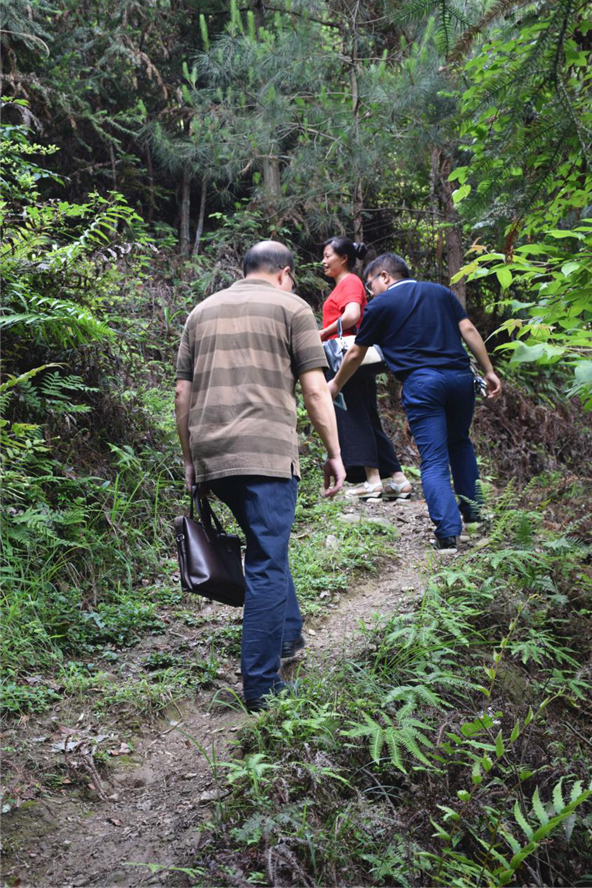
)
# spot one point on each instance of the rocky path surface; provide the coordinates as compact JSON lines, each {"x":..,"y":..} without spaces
{"x":160,"y":788}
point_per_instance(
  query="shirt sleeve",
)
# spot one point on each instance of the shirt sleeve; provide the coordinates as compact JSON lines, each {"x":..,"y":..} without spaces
{"x":371,"y":326}
{"x":307,"y":351}
{"x":185,"y":357}
{"x":351,"y":290}
{"x":459,"y":312}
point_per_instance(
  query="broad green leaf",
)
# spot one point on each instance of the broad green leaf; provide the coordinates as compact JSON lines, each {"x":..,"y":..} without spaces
{"x":570,"y":267}
{"x":460,"y":194}
{"x":504,"y":276}
{"x":556,"y":233}
{"x":533,"y":249}
{"x":476,"y":776}
{"x":459,"y":174}
{"x":583,"y":372}
{"x":543,"y":352}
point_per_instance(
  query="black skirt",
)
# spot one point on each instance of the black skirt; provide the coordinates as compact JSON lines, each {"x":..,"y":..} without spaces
{"x":362,"y":439}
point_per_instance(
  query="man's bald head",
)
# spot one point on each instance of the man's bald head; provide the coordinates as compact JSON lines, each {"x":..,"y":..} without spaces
{"x":267,"y":257}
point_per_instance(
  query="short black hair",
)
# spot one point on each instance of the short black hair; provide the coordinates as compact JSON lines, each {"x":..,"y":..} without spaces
{"x":268,"y":257}
{"x":389,"y":262}
{"x":343,"y":246}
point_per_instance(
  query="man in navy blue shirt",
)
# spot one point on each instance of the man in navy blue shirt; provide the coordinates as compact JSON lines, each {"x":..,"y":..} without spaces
{"x":420,"y":328}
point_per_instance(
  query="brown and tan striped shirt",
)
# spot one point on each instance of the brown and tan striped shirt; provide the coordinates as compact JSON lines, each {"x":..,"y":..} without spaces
{"x":243,"y":349}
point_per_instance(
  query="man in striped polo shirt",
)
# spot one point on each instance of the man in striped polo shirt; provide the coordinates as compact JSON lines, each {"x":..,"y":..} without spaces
{"x":241,"y":353}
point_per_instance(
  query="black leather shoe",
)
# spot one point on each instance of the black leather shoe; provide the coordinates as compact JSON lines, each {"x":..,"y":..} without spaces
{"x":260,"y":704}
{"x":257,"y":704}
{"x":291,"y":648}
{"x":445,"y":545}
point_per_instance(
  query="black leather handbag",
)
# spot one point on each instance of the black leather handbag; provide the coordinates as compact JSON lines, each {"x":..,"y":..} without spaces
{"x":209,"y":558}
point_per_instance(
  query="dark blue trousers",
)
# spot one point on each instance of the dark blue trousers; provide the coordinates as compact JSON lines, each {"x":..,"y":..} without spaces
{"x":264,"y":508}
{"x":439,"y":405}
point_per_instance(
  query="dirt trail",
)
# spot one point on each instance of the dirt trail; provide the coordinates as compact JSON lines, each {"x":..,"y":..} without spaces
{"x":154,"y":798}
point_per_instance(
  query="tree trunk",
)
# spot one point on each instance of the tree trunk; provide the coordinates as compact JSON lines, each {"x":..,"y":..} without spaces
{"x":454,"y":239}
{"x":113,"y":166}
{"x":259,"y":14}
{"x":358,"y":191}
{"x":202,"y":215}
{"x":151,"y":199}
{"x":185,"y":211}
{"x":272,"y":184}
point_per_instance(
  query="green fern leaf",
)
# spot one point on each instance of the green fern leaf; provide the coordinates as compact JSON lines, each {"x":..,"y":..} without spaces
{"x":576,"y":791}
{"x":376,"y":743}
{"x":538,"y":807}
{"x":391,"y":739}
{"x":522,"y":822}
{"x":558,"y":802}
{"x":408,"y":741}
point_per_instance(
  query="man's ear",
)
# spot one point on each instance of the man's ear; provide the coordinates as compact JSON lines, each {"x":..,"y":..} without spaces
{"x":284,"y":280}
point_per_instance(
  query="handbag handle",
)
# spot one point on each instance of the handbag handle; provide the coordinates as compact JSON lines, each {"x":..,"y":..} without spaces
{"x":205,"y":512}
{"x":340,"y":328}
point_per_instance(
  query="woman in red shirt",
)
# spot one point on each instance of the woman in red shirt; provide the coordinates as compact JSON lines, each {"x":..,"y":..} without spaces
{"x":367,"y":452}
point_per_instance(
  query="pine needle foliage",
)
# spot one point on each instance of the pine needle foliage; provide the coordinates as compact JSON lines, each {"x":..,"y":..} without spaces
{"x":528,"y":102}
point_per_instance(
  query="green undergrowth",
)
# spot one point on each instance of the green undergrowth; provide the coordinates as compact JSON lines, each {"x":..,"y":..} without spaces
{"x":325,"y":551}
{"x":454,"y":750}
{"x":89,"y":570}
{"x":81,"y":555}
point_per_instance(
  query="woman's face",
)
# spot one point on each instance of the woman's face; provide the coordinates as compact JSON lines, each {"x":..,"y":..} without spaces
{"x":333,"y":264}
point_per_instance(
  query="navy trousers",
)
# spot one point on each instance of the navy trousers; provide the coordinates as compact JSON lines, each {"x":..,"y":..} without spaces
{"x":264,"y":508}
{"x":439,"y":405}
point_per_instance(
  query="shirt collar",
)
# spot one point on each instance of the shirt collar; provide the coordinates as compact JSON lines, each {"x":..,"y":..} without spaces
{"x":404,"y":281}
{"x":259,"y":282}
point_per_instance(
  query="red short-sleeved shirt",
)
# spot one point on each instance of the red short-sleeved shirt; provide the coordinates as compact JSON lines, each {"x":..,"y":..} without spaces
{"x":350,"y":289}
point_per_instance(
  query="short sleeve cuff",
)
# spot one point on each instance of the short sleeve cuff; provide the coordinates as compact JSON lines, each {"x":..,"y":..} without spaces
{"x":312,"y":364}
{"x":182,"y":374}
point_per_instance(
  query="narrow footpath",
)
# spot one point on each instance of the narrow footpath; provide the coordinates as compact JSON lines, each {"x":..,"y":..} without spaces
{"x":146,"y":805}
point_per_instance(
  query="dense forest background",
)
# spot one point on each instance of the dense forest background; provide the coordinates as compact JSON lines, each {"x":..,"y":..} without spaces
{"x":145,"y":146}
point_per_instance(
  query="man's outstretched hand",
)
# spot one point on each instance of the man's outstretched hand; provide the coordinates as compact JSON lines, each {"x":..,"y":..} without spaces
{"x":334,"y":476}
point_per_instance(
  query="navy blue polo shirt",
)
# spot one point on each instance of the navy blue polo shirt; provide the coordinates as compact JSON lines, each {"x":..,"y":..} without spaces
{"x":416,"y":325}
